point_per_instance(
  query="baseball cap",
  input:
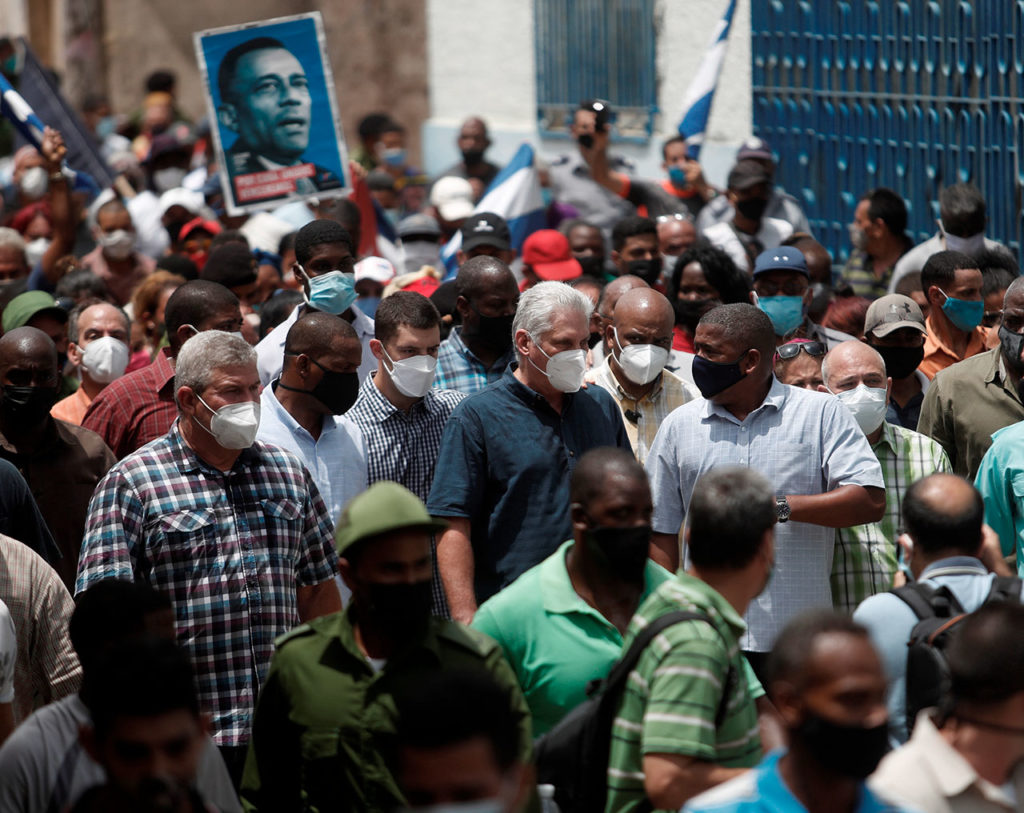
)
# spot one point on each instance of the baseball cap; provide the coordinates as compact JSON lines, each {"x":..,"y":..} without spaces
{"x":756,"y":148}
{"x":453,"y":198}
{"x":547,"y":252}
{"x":26,"y":306}
{"x":783,"y":258}
{"x":747,"y":173}
{"x":211,"y":226}
{"x":891,"y":313}
{"x":383,"y":507}
{"x":419,"y":225}
{"x":376,"y":268}
{"x":485,"y":229}
{"x":179,"y":196}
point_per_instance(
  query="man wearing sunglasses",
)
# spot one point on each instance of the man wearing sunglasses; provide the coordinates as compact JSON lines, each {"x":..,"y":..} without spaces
{"x":798,"y":363}
{"x":782,"y":289}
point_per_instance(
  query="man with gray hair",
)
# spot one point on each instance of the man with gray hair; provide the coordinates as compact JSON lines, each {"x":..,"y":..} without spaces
{"x":233,"y":530}
{"x":13,"y":261}
{"x":502,"y":476}
{"x":865,"y":558}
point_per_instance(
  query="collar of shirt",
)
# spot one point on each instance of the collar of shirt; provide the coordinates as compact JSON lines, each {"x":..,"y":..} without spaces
{"x":54,"y":434}
{"x":888,"y":438}
{"x":933,"y":342}
{"x":772,"y":789}
{"x":558,"y":594}
{"x":951,"y":773}
{"x":163,"y":370}
{"x":344,"y":629}
{"x":606,"y":373}
{"x":704,"y":595}
{"x":270,"y":404}
{"x":530,"y":397}
{"x":188,"y":461}
{"x":775,"y":399}
{"x":964,"y":565}
{"x":997,"y":374}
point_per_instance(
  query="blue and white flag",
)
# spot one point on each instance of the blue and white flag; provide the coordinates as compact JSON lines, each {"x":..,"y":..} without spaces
{"x":515,"y":195}
{"x":697,"y":106}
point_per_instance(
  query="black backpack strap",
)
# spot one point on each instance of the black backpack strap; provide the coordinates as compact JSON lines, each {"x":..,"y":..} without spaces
{"x":928,"y":601}
{"x":628,"y":662}
{"x":1005,"y":588}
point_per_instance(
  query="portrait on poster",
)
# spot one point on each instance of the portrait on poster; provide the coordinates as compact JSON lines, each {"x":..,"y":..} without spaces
{"x":270,"y":95}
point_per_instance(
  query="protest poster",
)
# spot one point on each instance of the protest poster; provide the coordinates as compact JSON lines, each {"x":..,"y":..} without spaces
{"x":270,"y":93}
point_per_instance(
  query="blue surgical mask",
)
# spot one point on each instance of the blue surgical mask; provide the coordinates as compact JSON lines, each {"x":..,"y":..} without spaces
{"x":393,"y":156}
{"x":677,"y":175}
{"x":333,"y":292}
{"x":966,"y":314}
{"x":786,"y":312}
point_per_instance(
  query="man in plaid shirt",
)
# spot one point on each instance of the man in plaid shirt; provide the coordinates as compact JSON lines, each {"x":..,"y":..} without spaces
{"x":235,"y":532}
{"x":865,"y":557}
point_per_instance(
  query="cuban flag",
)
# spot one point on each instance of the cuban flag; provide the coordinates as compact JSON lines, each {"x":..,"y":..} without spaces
{"x":697,"y":106}
{"x":515,"y":195}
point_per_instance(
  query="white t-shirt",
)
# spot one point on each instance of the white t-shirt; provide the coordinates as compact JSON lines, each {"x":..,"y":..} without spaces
{"x":770,"y":235}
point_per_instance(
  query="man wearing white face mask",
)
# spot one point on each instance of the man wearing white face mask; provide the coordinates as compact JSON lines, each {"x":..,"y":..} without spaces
{"x":233,"y":530}
{"x":401,"y":416}
{"x":98,"y":335}
{"x":866,"y":555}
{"x":502,"y":476}
{"x":325,"y":265}
{"x":115,"y":260}
{"x":637,"y":345}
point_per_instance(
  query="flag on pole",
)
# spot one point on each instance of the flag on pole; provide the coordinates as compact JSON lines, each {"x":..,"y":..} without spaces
{"x":515,"y":195}
{"x":697,"y":105}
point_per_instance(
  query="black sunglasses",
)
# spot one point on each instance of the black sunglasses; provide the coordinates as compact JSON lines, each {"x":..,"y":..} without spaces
{"x":792,"y":349}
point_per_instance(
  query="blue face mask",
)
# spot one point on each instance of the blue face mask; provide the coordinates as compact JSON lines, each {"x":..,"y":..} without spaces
{"x":786,"y":312}
{"x":333,"y":292}
{"x":966,"y":314}
{"x":677,"y":175}
{"x":712,"y":377}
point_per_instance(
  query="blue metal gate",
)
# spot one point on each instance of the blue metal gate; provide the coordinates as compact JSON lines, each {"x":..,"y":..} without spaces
{"x":909,"y":94}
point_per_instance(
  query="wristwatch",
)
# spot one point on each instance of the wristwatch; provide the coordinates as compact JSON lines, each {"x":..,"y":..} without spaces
{"x":782,"y":509}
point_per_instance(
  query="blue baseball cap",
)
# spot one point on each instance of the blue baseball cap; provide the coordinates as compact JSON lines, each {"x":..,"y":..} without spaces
{"x":783,"y":258}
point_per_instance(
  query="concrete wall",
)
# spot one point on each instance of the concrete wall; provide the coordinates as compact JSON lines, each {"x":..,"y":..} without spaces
{"x":481,"y":62}
{"x":377,"y":50}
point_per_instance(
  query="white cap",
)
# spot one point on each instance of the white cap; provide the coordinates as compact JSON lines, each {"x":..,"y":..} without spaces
{"x":376,"y":268}
{"x":179,"y":196}
{"x":453,"y":198}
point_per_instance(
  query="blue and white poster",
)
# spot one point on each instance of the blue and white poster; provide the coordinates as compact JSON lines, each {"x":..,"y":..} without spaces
{"x":270,"y":92}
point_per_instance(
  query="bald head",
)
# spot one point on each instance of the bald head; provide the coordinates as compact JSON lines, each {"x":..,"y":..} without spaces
{"x":614,"y":290}
{"x":27,"y":345}
{"x":852,"y":363}
{"x":316,"y":332}
{"x":480,"y":275}
{"x":819,"y":261}
{"x":1014,"y":296}
{"x":644,"y":305}
{"x":597,"y":467}
{"x":943,"y":515}
{"x":675,"y":235}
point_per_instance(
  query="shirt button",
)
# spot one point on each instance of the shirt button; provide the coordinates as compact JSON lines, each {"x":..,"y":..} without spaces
{"x":743,"y":429}
{"x":572,"y":454}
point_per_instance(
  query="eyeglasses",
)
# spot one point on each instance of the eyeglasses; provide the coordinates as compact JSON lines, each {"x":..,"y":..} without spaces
{"x":791,"y":350}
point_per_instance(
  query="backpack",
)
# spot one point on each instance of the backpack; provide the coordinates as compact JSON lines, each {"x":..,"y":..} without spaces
{"x":938,"y":613}
{"x":573,"y":756}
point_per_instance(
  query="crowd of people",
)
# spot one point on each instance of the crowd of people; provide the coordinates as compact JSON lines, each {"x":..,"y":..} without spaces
{"x":290,"y":521}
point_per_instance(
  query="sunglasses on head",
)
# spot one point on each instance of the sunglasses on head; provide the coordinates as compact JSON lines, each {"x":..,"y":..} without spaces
{"x":792,"y":349}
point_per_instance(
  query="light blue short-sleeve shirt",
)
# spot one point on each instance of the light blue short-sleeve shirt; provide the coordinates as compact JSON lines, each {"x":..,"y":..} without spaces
{"x":804,"y":443}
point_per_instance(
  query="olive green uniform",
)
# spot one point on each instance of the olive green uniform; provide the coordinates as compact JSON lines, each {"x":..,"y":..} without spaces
{"x":323,"y":736}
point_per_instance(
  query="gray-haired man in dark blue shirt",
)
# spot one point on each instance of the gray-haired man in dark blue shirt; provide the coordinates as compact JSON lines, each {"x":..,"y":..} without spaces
{"x":507,"y":452}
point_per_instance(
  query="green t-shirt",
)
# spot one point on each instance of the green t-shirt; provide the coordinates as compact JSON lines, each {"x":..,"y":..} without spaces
{"x":555,"y":642}
{"x":672,"y":697}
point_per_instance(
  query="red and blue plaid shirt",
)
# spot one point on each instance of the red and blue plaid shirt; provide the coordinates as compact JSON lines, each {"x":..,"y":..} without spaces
{"x":229,"y":549}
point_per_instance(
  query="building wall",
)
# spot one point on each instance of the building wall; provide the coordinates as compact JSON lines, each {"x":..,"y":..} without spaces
{"x":481,"y":63}
{"x":377,"y":50}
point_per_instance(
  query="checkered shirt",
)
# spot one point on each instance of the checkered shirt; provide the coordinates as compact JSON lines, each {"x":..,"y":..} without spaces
{"x":136,"y":408}
{"x":865,"y":558}
{"x":669,"y":392}
{"x":228,"y":548}
{"x":403,"y":446}
{"x":458,"y":369}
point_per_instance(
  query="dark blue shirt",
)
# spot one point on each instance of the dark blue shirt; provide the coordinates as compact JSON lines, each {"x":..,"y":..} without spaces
{"x":504,"y":464}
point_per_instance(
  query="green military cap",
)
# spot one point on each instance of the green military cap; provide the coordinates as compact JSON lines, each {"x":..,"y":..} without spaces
{"x":385,"y":506}
{"x":24,"y":307}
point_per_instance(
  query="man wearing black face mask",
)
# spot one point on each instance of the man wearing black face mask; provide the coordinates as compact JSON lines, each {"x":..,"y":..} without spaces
{"x":635,"y":249}
{"x":827,"y":682}
{"x":561,"y":623}
{"x":472,"y":143}
{"x":477,"y":353}
{"x":749,"y":232}
{"x":62,"y":463}
{"x":340,"y":674}
{"x":302,"y":411}
{"x":895,"y":327}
